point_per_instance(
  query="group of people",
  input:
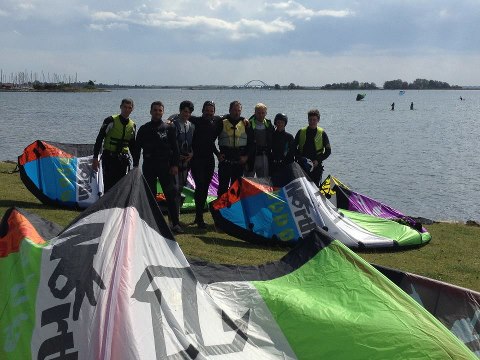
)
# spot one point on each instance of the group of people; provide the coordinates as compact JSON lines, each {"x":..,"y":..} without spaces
{"x":183,"y":142}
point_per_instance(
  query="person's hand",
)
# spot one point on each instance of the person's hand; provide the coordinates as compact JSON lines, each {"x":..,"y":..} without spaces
{"x":243,"y":159}
{"x":246,"y":123}
{"x":174,"y":170}
{"x":95,"y":164}
{"x":220,"y":157}
{"x":315,"y":163}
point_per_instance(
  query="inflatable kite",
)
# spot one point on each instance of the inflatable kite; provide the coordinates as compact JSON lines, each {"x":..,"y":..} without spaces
{"x":344,"y":198}
{"x":285,"y":208}
{"x":61,"y":174}
{"x":188,"y":193}
{"x":115,"y":285}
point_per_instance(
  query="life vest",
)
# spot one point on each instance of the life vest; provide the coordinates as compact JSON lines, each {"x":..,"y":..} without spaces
{"x":318,"y":139}
{"x":233,"y":136}
{"x":184,"y":135}
{"x":266,"y":122}
{"x":118,"y":137}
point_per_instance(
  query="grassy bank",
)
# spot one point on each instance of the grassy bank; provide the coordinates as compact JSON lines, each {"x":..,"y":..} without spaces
{"x":452,"y":255}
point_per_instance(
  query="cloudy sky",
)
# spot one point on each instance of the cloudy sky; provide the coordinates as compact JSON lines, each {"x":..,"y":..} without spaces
{"x":186,"y":42}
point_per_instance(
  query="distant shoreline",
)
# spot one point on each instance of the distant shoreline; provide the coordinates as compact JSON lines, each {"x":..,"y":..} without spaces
{"x":71,"y":90}
{"x":56,"y":91}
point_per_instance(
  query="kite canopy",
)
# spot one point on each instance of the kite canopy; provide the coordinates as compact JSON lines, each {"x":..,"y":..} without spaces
{"x":115,"y":285}
{"x":188,"y":193}
{"x":60,"y":174}
{"x":344,"y":198}
{"x":287,"y":207}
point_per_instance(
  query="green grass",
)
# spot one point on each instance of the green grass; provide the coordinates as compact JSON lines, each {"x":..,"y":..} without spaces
{"x":452,"y":255}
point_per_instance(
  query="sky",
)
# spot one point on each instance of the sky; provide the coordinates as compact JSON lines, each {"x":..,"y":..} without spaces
{"x":230,"y":42}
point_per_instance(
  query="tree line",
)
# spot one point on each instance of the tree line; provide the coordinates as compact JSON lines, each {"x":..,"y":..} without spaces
{"x":418,"y":84}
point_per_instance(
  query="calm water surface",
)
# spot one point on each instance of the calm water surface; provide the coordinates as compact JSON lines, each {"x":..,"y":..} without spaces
{"x":423,"y":162}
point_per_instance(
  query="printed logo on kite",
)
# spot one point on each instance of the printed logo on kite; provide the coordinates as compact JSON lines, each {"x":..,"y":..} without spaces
{"x":61,"y":174}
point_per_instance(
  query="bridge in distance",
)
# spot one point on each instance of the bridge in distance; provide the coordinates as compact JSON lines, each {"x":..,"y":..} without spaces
{"x":256,"y":84}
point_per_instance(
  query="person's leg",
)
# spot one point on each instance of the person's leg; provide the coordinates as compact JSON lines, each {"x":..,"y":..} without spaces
{"x":261,"y":165}
{"x":170,"y":193}
{"x":107,"y":172}
{"x":151,"y":178}
{"x":202,"y":172}
{"x":236,"y":173}
{"x":316,"y":174}
{"x":113,"y":170}
{"x":224,"y":175}
{"x":182,"y":181}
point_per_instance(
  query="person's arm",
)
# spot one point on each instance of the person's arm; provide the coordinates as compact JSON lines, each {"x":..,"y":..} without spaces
{"x":98,"y":142}
{"x":250,"y":153}
{"x":172,"y":140}
{"x":218,"y":130}
{"x":131,"y":143}
{"x":327,"y":149}
{"x":195,"y":119}
{"x":289,"y":158}
{"x":137,"y":149}
{"x":297,"y":153}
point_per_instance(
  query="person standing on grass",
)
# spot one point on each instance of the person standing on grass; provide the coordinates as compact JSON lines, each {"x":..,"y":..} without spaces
{"x":184,"y":133}
{"x":235,"y":141}
{"x":203,"y":161}
{"x":283,"y":145}
{"x":312,"y":143}
{"x":158,"y":141}
{"x":117,"y":134}
{"x":257,"y":164}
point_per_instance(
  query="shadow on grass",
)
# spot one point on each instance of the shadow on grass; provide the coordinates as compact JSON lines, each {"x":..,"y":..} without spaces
{"x":33,"y":205}
{"x":23,"y":204}
{"x":218,"y":240}
{"x":392,"y":249}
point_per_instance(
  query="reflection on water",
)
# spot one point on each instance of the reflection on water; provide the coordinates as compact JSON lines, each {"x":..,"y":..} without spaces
{"x":423,"y":162}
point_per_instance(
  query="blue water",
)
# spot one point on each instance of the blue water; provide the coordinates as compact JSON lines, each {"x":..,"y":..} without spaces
{"x":423,"y":162}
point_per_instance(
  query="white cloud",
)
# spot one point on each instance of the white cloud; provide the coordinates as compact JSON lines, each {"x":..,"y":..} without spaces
{"x":107,"y":16}
{"x":297,"y":10}
{"x":239,"y":29}
{"x":107,"y":27}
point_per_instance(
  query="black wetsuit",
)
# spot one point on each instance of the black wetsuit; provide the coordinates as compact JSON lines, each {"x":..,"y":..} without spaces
{"x":283,"y":151}
{"x":160,"y":152}
{"x":310,"y":152}
{"x":203,"y":161}
{"x":114,"y":164}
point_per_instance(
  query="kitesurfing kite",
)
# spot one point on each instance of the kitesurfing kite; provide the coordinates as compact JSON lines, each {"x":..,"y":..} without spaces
{"x":188,"y":193}
{"x":285,"y":208}
{"x":61,"y":174}
{"x":354,"y":204}
{"x":115,"y":284}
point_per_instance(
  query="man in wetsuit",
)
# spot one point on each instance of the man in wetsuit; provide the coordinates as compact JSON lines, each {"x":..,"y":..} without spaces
{"x":236,"y":143}
{"x":203,"y":161}
{"x":283,"y":145}
{"x":160,"y":158}
{"x":312,"y":143}
{"x":184,"y":130}
{"x":118,"y":137}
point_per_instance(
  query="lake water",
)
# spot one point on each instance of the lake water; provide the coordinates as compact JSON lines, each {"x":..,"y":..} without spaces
{"x":423,"y":162}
